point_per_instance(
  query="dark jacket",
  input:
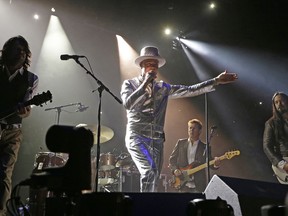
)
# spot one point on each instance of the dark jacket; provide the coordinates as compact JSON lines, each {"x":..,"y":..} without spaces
{"x":275,"y":140}
{"x":178,"y":159}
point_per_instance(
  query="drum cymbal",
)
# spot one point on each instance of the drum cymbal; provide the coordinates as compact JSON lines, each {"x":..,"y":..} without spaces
{"x":105,"y":135}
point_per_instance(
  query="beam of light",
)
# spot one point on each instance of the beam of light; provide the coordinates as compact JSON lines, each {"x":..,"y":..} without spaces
{"x":127,"y":55}
{"x":55,"y":43}
{"x":201,"y":70}
{"x":260,"y":74}
{"x":67,"y":81}
{"x":254,"y":68}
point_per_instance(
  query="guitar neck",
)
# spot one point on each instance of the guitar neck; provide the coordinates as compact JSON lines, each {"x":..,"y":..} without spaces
{"x":37,"y":100}
{"x":203,"y":166}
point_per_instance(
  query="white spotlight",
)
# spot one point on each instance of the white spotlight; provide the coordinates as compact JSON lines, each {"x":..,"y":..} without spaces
{"x":53,"y":9}
{"x":36,"y":16}
{"x":167,"y":31}
{"x":212,"y":6}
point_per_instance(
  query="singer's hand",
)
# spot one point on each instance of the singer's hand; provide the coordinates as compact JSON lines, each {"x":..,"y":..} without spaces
{"x":286,"y":167}
{"x":225,"y":78}
{"x":150,"y":76}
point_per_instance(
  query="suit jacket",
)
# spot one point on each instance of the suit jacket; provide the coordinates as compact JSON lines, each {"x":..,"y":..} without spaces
{"x":178,"y":159}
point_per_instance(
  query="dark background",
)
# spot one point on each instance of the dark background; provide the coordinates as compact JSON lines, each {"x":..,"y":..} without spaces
{"x":245,"y":37}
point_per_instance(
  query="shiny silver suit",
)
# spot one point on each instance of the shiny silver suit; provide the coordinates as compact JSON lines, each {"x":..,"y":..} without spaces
{"x":146,"y":109}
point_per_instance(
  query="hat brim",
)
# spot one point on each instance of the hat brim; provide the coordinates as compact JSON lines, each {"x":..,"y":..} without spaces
{"x":161,"y":61}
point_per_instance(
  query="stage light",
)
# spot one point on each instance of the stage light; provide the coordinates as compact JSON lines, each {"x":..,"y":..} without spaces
{"x":36,"y":17}
{"x":212,"y":6}
{"x":53,"y":10}
{"x":167,"y":31}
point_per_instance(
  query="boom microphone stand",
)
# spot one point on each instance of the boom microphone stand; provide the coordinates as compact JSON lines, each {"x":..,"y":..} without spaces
{"x":100,"y":90}
{"x":59,"y":109}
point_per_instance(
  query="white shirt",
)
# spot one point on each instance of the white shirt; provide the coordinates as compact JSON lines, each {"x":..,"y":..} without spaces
{"x":191,"y":151}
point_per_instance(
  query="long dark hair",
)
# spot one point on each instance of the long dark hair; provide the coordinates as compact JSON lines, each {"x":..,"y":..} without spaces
{"x":7,"y":46}
{"x":276,"y":113}
{"x":280,"y":133}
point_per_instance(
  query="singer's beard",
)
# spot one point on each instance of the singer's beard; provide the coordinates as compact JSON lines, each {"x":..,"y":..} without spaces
{"x":282,"y":111}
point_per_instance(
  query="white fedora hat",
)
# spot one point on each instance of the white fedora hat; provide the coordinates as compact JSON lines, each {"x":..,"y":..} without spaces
{"x":150,"y":52}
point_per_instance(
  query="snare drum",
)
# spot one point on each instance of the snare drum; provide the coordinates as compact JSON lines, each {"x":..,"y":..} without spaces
{"x":107,"y":161}
{"x":49,"y":159}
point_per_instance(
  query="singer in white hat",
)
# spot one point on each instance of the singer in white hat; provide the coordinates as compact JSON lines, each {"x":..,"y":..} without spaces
{"x":145,"y":100}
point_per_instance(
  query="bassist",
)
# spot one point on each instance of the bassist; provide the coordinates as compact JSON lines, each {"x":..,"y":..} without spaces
{"x":188,"y":153}
{"x":275,"y":137}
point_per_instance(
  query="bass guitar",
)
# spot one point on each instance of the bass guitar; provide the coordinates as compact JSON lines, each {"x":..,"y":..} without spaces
{"x":37,"y":100}
{"x":178,"y":181}
{"x":280,"y":174}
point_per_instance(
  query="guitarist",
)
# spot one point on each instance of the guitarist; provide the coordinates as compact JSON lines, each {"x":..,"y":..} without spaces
{"x":190,"y":152}
{"x":275,"y":138}
{"x":17,"y":85}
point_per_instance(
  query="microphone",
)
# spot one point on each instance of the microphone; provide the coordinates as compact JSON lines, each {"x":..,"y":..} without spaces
{"x":66,"y":57}
{"x":82,"y":108}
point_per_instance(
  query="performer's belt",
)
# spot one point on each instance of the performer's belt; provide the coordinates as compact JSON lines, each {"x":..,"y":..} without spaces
{"x":10,"y":126}
{"x":154,"y":134}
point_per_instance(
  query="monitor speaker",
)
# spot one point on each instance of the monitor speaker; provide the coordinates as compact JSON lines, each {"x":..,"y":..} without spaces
{"x":245,"y":196}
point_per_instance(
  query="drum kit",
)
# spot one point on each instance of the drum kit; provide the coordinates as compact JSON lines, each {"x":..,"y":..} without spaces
{"x":110,"y":165}
{"x":109,"y":173}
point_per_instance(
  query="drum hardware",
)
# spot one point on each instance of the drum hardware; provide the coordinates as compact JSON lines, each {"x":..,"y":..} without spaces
{"x":49,"y":159}
{"x":107,"y":161}
{"x":123,"y":159}
{"x":108,"y":177}
{"x":106,"y":133}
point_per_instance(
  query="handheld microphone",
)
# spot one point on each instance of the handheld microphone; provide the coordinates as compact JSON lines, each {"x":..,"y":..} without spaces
{"x":66,"y":57}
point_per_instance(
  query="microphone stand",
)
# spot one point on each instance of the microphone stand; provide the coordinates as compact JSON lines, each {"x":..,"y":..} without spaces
{"x":100,"y":90}
{"x":59,"y":109}
{"x":208,"y":140}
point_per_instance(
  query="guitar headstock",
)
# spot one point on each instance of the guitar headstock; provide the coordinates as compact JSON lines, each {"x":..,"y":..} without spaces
{"x":39,"y":99}
{"x":231,"y":154}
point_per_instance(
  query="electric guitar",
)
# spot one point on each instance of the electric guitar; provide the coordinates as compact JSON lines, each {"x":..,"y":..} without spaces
{"x":37,"y":100}
{"x":280,"y":174}
{"x":178,"y":181}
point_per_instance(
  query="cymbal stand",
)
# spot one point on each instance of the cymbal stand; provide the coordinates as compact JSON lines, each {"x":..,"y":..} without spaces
{"x":100,"y":90}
